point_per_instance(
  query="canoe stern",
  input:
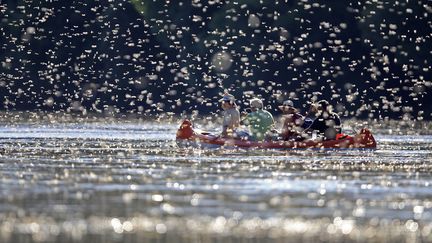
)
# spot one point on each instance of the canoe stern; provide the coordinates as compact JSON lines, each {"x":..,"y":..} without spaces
{"x":185,"y":131}
{"x":367,"y":139}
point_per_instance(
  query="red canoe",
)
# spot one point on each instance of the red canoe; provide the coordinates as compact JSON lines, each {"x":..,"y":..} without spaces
{"x":187,"y":136}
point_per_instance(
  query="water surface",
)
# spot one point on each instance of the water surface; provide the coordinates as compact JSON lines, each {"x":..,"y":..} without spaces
{"x":127,"y":181}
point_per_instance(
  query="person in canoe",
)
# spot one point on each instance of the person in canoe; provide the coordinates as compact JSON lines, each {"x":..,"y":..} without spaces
{"x":259,"y":121}
{"x":292,"y":122}
{"x":327,"y":123}
{"x":231,"y":115}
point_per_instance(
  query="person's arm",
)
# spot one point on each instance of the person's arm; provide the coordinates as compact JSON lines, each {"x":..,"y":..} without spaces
{"x":226,"y":124}
{"x":245,"y":120}
{"x":299,"y":120}
{"x":338,"y":123}
{"x":224,"y":131}
{"x":273,"y":124}
{"x":314,"y":126}
{"x":311,"y":127}
{"x":284,"y":130}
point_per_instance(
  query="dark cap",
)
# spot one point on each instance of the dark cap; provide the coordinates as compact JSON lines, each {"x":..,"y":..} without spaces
{"x":323,"y":104}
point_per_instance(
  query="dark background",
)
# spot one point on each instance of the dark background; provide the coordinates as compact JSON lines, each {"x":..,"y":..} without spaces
{"x":368,"y":58}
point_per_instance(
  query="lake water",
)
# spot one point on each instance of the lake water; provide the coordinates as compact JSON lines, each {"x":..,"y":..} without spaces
{"x":126,"y":181}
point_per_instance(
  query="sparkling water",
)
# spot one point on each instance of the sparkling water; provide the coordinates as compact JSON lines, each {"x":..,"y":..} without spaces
{"x":127,"y":181}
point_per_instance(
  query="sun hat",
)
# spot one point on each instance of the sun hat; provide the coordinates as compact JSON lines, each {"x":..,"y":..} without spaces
{"x":256,"y":103}
{"x":227,"y":97}
{"x":288,"y":103}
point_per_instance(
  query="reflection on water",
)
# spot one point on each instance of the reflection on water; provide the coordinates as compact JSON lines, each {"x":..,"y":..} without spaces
{"x":128,"y":182}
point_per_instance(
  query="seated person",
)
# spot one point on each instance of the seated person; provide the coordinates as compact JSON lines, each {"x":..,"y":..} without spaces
{"x":292,"y":121}
{"x":327,"y":123}
{"x":231,"y":115}
{"x":259,"y":121}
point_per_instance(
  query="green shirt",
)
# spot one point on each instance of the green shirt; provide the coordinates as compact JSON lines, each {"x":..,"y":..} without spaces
{"x":259,"y":122}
